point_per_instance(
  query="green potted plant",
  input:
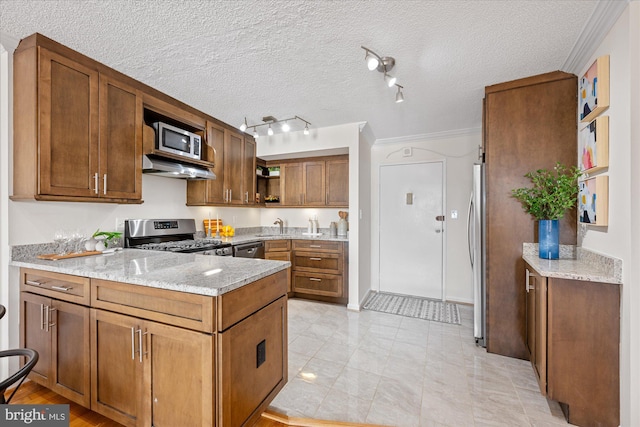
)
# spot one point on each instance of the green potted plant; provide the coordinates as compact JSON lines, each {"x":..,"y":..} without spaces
{"x":553,"y":193}
{"x":103,"y":238}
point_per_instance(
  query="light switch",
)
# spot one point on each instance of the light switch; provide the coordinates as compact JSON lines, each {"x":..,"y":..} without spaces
{"x":454,"y":214}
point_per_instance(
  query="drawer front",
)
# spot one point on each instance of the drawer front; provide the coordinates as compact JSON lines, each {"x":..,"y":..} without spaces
{"x":277,"y":245}
{"x":64,"y":287}
{"x":320,"y":263}
{"x":317,"y":246}
{"x":317,"y":284}
{"x":180,"y":309}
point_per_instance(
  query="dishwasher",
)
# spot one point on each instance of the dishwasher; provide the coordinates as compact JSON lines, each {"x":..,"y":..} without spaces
{"x":249,"y":250}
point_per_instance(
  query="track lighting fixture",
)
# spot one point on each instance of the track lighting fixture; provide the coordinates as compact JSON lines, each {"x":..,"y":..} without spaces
{"x":383,"y":65}
{"x":270,"y":120}
{"x":399,"y":95}
{"x":243,"y":126}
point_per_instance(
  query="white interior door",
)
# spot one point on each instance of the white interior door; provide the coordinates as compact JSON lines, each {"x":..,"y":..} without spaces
{"x":411,"y":236}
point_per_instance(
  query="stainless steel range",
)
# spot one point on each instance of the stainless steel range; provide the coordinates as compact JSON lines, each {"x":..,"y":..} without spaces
{"x":175,"y":235}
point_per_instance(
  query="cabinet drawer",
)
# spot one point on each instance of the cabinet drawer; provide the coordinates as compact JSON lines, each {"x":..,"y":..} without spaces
{"x":317,"y":284}
{"x":320,"y":263}
{"x":277,"y":245}
{"x":56,"y":285}
{"x":180,"y":309}
{"x":317,"y":246}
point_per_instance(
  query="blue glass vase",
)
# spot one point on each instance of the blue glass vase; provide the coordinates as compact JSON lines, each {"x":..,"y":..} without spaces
{"x":548,"y":239}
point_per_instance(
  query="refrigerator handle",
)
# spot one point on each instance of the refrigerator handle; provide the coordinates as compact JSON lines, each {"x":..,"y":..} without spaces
{"x":469,"y":243}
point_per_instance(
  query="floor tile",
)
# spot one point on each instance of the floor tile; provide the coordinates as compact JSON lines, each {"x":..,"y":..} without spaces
{"x":369,"y":367}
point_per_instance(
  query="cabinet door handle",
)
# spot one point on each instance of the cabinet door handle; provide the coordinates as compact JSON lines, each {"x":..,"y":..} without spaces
{"x":33,"y":283}
{"x":48,"y":312}
{"x":95,"y":182}
{"x":313,"y":279}
{"x":246,"y":197}
{"x":528,"y":285}
{"x":315,"y":259}
{"x":133,"y":344}
{"x":140,"y":347}
{"x":42,"y":317}
{"x":104,"y":184}
{"x":61,"y":288}
{"x":315,"y":246}
{"x":230,"y":195}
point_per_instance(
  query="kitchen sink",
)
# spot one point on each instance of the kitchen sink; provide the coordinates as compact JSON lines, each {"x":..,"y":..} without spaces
{"x":284,"y":236}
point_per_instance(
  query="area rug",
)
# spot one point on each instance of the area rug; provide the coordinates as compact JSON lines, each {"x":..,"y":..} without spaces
{"x":422,"y":308}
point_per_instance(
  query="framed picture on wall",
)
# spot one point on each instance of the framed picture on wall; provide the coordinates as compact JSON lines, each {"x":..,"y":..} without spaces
{"x":593,"y":201}
{"x":593,"y":145}
{"x":594,"y":89}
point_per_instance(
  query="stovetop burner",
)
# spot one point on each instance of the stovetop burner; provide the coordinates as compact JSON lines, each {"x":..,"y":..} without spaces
{"x":174,"y":235}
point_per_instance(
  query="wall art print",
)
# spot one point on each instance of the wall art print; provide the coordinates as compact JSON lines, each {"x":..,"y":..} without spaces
{"x":593,"y":145}
{"x":593,"y":200}
{"x":594,"y":89}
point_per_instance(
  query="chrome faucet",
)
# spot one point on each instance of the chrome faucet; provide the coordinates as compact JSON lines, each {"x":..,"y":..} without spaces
{"x":280,"y":223}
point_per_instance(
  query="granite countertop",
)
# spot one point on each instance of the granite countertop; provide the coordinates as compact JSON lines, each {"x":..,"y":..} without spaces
{"x":192,"y":273}
{"x":575,"y":263}
{"x":257,"y":234}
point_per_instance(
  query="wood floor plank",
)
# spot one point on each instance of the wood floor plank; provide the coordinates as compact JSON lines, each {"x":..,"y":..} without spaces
{"x":31,"y":393}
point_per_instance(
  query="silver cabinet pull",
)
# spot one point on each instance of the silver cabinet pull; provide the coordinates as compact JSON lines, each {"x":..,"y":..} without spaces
{"x":246,"y":197}
{"x":33,"y":283}
{"x":315,"y":246}
{"x":528,"y":285}
{"x":104,"y":184}
{"x":313,"y":279}
{"x":61,"y":288}
{"x":42,"y":317}
{"x":133,"y":344}
{"x":49,"y":324}
{"x":315,"y":259}
{"x":230,"y":195}
{"x":95,"y":182}
{"x":140,"y":347}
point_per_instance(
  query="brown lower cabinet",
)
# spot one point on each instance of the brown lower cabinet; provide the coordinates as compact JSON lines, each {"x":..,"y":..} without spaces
{"x":146,"y":356}
{"x":279,"y":250}
{"x":320,"y":270}
{"x":59,"y":332}
{"x":573,"y":335}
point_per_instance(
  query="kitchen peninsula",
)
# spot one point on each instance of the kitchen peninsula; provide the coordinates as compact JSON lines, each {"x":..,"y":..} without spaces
{"x":156,"y":338}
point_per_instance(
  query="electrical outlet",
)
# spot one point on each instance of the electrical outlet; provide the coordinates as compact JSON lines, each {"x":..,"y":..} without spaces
{"x":120,"y":225}
{"x":454,"y":214}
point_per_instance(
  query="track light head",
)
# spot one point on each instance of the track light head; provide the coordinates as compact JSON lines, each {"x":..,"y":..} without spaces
{"x":243,"y":126}
{"x":372,"y":61}
{"x":255,"y":134}
{"x":390,"y":80}
{"x":306,"y":129}
{"x":399,"y":95}
{"x":286,"y":127}
{"x":270,"y":131}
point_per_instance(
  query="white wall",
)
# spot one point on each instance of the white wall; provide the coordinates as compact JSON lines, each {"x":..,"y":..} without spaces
{"x":364,"y":241}
{"x":459,"y":150}
{"x":621,"y":238}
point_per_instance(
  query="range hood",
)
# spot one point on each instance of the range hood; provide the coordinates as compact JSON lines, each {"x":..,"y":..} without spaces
{"x":169,"y":168}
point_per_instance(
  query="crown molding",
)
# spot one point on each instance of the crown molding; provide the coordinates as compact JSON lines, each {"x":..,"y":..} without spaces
{"x":604,"y":16}
{"x":429,"y":136}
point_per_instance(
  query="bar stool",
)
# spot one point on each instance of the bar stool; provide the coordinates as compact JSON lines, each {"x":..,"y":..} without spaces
{"x":18,"y":377}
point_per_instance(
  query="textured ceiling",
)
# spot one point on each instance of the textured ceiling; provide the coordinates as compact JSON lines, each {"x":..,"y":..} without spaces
{"x":255,"y":58}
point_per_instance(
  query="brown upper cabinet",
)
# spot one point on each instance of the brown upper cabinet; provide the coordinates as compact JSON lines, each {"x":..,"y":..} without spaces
{"x":315,"y":181}
{"x":235,"y":165}
{"x":81,"y":128}
{"x":77,"y":132}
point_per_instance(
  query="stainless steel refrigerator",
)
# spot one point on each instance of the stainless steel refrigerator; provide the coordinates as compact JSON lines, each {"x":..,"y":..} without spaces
{"x":477,"y":253}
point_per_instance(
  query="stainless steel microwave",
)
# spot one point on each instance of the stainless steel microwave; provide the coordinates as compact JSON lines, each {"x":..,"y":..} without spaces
{"x":177,"y":141}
